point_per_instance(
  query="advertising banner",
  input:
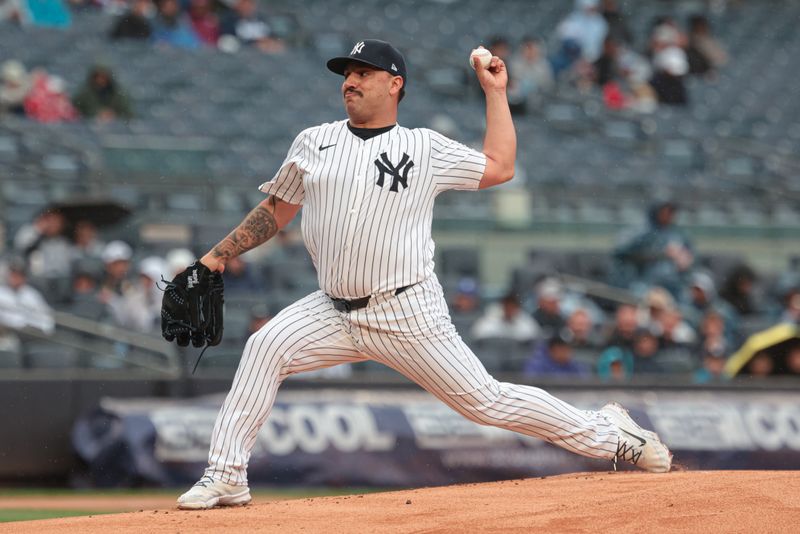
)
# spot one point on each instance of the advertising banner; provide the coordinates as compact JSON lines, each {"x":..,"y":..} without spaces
{"x":402,"y":439}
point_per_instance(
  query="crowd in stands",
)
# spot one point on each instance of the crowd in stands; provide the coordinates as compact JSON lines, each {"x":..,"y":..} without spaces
{"x":595,"y":49}
{"x":43,"y":97}
{"x":676,"y":320}
{"x":677,"y":310}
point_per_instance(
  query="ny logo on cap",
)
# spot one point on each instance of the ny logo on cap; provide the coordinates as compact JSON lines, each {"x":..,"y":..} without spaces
{"x":357,"y":48}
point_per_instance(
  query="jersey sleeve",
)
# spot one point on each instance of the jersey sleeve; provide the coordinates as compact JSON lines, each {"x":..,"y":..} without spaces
{"x":454,"y":165}
{"x":287,"y":184}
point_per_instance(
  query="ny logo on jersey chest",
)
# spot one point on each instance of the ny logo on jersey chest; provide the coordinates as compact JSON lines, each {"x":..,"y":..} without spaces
{"x":399,"y":172}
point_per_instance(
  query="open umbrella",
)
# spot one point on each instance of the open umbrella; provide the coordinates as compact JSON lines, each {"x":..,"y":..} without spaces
{"x":775,"y":341}
{"x":98,"y":211}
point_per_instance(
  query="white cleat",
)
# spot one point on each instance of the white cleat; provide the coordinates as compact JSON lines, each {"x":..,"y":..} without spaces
{"x":641,"y":447}
{"x":208,"y":493}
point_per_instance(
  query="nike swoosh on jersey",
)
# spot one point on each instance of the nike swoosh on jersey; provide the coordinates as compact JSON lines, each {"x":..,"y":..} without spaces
{"x":642,"y":441}
{"x":326,"y":147}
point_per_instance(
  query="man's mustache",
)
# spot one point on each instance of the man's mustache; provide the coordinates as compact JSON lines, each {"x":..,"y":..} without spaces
{"x":352,"y":91}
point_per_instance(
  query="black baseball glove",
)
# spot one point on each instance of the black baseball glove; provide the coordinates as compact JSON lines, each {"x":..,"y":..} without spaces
{"x":191,"y":309}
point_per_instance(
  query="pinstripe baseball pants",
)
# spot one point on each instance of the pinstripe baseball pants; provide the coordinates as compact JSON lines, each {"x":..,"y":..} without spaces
{"x":411,"y":333}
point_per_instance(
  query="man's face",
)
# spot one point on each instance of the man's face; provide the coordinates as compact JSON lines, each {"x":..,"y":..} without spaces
{"x":626,"y":319}
{"x":16,"y":279}
{"x":510,"y":309}
{"x":530,"y":51}
{"x":666,"y":216}
{"x":118,"y":269}
{"x":561,"y":353}
{"x":367,"y":90}
{"x":580,"y":323}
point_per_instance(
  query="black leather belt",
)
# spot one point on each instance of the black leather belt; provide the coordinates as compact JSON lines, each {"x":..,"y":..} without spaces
{"x":344,"y":305}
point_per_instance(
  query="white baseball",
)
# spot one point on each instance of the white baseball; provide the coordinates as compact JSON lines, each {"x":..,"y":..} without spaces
{"x":483,"y":55}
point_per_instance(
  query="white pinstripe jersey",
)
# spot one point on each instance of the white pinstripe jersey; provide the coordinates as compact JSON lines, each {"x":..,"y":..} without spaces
{"x":368,"y":204}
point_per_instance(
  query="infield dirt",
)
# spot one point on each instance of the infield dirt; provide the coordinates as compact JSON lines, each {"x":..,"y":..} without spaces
{"x":712,"y":501}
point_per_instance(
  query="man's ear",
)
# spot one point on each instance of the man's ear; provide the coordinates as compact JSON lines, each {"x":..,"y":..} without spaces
{"x":397,"y":85}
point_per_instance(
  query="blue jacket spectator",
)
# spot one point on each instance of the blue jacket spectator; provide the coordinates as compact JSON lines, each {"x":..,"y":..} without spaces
{"x":554,"y":358}
{"x":615,"y":364}
{"x":45,"y":13}
{"x":661,"y":255}
{"x":173,"y":27}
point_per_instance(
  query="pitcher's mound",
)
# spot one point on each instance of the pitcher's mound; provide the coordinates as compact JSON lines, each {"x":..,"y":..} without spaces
{"x":713,"y":501}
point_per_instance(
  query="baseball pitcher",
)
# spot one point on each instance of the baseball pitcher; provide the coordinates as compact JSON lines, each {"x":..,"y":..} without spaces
{"x":366,"y":186}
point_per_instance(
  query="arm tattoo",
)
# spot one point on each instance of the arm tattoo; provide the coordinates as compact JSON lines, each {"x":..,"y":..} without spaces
{"x":255,"y":229}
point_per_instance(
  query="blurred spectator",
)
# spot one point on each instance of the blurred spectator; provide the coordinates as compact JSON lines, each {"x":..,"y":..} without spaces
{"x":645,"y":352}
{"x":48,"y":101}
{"x":505,"y":319}
{"x":704,"y":52}
{"x":791,"y":307}
{"x":21,"y":305}
{"x":135,"y":23}
{"x":789,"y":278}
{"x":657,"y":301}
{"x":615,"y":364}
{"x":660,"y":255}
{"x":737,"y":290}
{"x":117,"y":260}
{"x":606,"y":68}
{"x":617,"y":25}
{"x":666,"y":34}
{"x":178,"y":259}
{"x":43,"y":13}
{"x":586,"y":27}
{"x":87,"y":246}
{"x":792,"y":362}
{"x":241,"y":279}
{"x":554,"y":358}
{"x":9,"y":11}
{"x":711,"y":369}
{"x":566,"y":56}
{"x":530,"y":69}
{"x":529,"y":74}
{"x":664,"y":319}
{"x":760,"y":365}
{"x":713,"y":338}
{"x":674,"y":331}
{"x":670,"y":66}
{"x":466,"y":299}
{"x":171,"y":27}
{"x":204,"y":21}
{"x":623,"y":331}
{"x":501,"y":48}
{"x":249,"y":27}
{"x":16,"y":83}
{"x":85,"y":300}
{"x":139,"y":307}
{"x":44,"y":245}
{"x":548,"y":307}
{"x":101,"y":97}
{"x":638,"y":72}
{"x":579,"y":331}
{"x":703,"y":299}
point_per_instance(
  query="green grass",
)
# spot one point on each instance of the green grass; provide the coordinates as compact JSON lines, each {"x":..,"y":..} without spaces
{"x":13,"y":514}
{"x":22,"y":514}
{"x":286,"y":493}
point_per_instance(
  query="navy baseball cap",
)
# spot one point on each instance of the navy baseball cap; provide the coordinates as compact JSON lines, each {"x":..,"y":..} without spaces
{"x":378,"y":54}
